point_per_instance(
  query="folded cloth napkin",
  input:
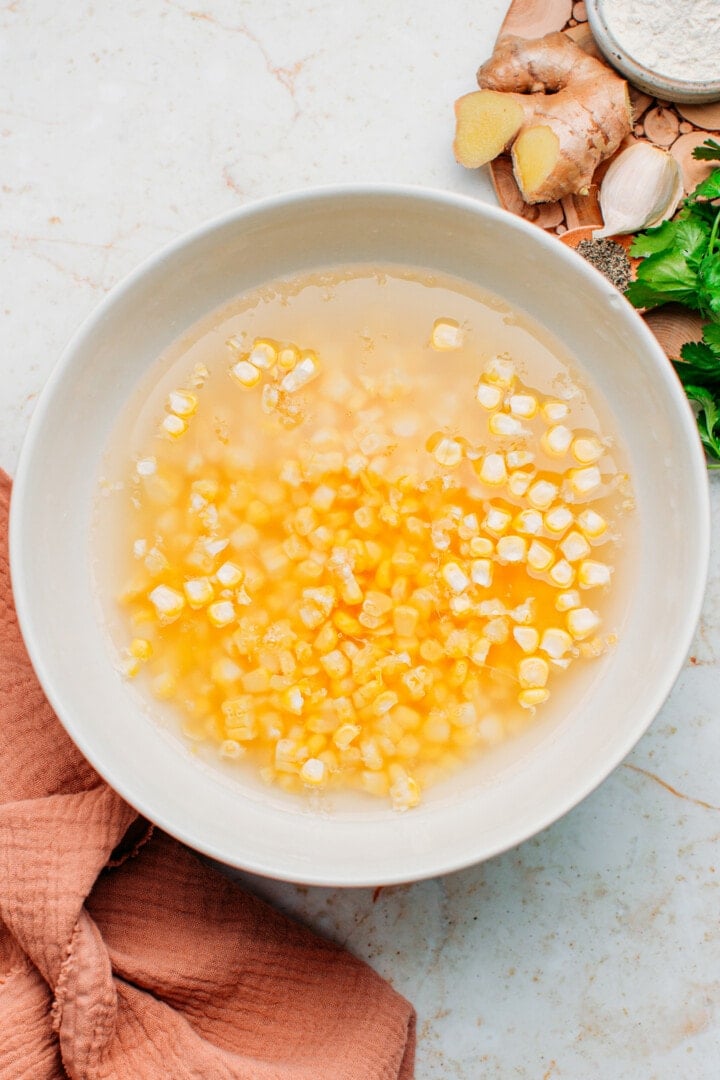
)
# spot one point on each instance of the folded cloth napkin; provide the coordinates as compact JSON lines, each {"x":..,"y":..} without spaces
{"x":124,"y":956}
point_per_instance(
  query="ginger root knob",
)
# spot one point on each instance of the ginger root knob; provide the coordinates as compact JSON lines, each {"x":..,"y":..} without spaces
{"x":560,"y":111}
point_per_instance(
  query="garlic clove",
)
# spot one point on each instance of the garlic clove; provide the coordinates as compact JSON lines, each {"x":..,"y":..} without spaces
{"x":642,"y":187}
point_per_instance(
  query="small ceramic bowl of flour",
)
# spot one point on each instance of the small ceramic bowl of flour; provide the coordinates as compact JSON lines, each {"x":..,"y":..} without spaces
{"x":668,"y":48}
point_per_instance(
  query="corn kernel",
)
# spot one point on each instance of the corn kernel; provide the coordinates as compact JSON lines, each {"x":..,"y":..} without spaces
{"x":529,"y":522}
{"x":511,"y":549}
{"x":503,"y":425}
{"x":592,"y":523}
{"x":565,"y":601}
{"x":592,"y":574}
{"x":481,"y":572}
{"x":140,"y":648}
{"x":488,"y":396}
{"x":173,"y":426}
{"x":555,"y":642}
{"x":496,"y":521}
{"x":493,"y":471}
{"x":481,"y":547}
{"x":533,"y":672}
{"x":554,"y":411}
{"x":229,"y":575}
{"x":497,"y":631}
{"x":446,"y":335}
{"x":575,"y":546}
{"x":501,"y":371}
{"x":542,"y":494}
{"x":405,"y":620}
{"x":129,"y":666}
{"x":523,"y":405}
{"x":431,"y":650}
{"x":182,"y":403}
{"x":582,"y":622}
{"x":533,"y":696}
{"x":480,"y":651}
{"x":246,"y":374}
{"x":405,"y":793}
{"x":587,"y":450}
{"x":562,"y":574}
{"x":313,"y":772}
{"x":556,"y":440}
{"x":231,"y":749}
{"x":168,"y":603}
{"x":583,"y":481}
{"x":305,"y":371}
{"x":263,"y":354}
{"x":221,"y":613}
{"x":455,"y":578}
{"x":519,"y":482}
{"x":288,"y":357}
{"x":527,"y":638}
{"x":446,"y":451}
{"x":335,"y":664}
{"x":558,"y":519}
{"x":539,"y":556}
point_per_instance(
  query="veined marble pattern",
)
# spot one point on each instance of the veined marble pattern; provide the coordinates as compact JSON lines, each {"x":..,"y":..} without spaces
{"x":592,"y":951}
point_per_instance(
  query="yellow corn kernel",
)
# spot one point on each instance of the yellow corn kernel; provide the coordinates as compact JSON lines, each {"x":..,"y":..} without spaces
{"x":263,"y":354}
{"x":592,"y":523}
{"x":405,"y":620}
{"x":562,"y":574}
{"x":335,"y":664}
{"x":587,"y":450}
{"x":345,"y":735}
{"x":575,"y":546}
{"x":554,"y":411}
{"x":374,"y":783}
{"x":305,"y":370}
{"x":496,"y":521}
{"x":518,"y":459}
{"x":527,"y":638}
{"x":246,"y":374}
{"x":446,"y":451}
{"x":173,"y":426}
{"x":481,"y":572}
{"x":539,"y":556}
{"x":501,"y":371}
{"x":533,"y":672}
{"x":288,"y":357}
{"x":583,"y":481}
{"x":182,"y":403}
{"x":582,"y":622}
{"x":141,"y":649}
{"x":480,"y":650}
{"x":556,"y":440}
{"x":347,"y":624}
{"x":163,"y":686}
{"x":446,"y":335}
{"x":313,"y":772}
{"x":512,"y":549}
{"x":519,"y":482}
{"x":488,"y":396}
{"x":565,"y":601}
{"x":168,"y":603}
{"x":529,"y":522}
{"x":542,"y":493}
{"x":555,"y":642}
{"x":503,"y":425}
{"x":454,"y":577}
{"x":533,"y":696}
{"x":592,"y":574}
{"x":231,"y":749}
{"x":431,"y":650}
{"x":492,"y":470}
{"x":221,"y":613}
{"x":404,"y":792}
{"x":558,"y":519}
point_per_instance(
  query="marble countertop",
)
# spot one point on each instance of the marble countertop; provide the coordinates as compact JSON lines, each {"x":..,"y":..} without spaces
{"x":592,"y":952}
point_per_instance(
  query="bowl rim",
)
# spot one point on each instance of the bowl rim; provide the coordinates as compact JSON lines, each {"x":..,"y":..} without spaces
{"x":664,"y":87}
{"x":21,"y":561}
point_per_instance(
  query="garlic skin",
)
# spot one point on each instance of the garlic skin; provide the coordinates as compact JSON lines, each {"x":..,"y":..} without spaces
{"x":642,"y":187}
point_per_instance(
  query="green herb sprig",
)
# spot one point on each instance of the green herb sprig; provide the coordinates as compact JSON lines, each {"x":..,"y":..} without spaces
{"x":681,"y":264}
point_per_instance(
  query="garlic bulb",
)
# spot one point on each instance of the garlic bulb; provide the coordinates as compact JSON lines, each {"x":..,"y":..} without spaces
{"x":642,"y":187}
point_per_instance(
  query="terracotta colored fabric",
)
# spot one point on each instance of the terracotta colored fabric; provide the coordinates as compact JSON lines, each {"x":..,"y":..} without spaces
{"x":124,"y":956}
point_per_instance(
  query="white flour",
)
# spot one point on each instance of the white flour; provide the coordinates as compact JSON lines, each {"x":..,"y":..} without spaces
{"x":676,"y":38}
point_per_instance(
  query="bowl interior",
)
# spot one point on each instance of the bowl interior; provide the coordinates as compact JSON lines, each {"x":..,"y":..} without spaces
{"x":492,"y":804}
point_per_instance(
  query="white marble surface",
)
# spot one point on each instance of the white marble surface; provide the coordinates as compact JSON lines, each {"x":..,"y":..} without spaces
{"x":591,"y":952}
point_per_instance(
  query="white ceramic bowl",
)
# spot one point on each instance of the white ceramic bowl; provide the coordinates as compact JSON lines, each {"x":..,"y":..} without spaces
{"x":492,"y":804}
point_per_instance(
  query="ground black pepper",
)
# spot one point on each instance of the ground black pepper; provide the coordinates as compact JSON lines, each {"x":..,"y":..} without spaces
{"x":609,"y":258}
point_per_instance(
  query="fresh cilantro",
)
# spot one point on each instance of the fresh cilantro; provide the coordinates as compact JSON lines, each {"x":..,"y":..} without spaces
{"x":709,"y":151}
{"x":681,"y":264}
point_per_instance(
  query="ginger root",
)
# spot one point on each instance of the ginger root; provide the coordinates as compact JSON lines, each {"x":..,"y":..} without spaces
{"x":559,"y":110}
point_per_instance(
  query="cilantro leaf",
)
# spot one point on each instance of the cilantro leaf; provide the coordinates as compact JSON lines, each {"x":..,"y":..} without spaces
{"x":709,"y":151}
{"x":663,"y":277}
{"x":700,"y":357}
{"x":651,"y":241}
{"x":711,"y":337}
{"x":709,"y":285}
{"x":708,"y":420}
{"x":708,"y":188}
